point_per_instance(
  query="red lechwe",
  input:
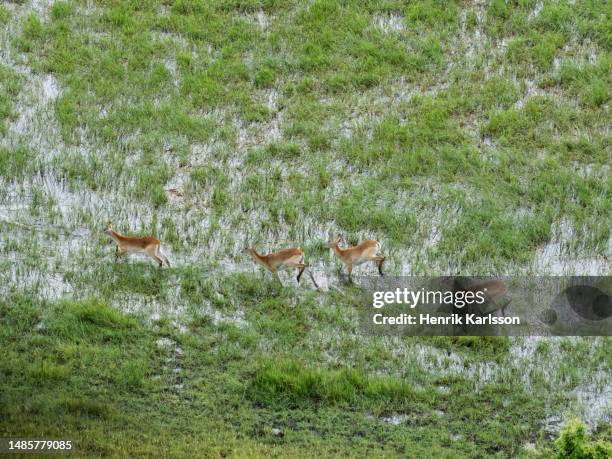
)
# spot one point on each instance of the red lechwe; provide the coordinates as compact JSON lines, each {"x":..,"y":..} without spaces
{"x":129,"y":244}
{"x":361,"y":253}
{"x":494,"y":290}
{"x":285,"y":259}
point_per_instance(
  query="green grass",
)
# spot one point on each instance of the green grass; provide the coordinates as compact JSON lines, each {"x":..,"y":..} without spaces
{"x":164,"y":80}
{"x":94,"y":368}
{"x":574,"y":442}
{"x":291,"y":383}
{"x":465,"y":137}
{"x":9,"y":88}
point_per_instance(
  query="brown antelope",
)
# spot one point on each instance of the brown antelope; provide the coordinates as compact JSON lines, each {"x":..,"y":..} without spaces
{"x":356,"y":255}
{"x":494,"y":290}
{"x":128,"y":244}
{"x":285,"y":259}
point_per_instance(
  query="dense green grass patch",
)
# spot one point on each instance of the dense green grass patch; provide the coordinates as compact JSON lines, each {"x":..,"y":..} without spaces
{"x":293,"y":383}
{"x":9,"y":88}
{"x":75,"y":344}
{"x":15,"y":162}
{"x":574,"y":441}
{"x":500,"y":236}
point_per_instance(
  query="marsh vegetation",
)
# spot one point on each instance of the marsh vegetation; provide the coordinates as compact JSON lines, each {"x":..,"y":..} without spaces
{"x":466,"y":137}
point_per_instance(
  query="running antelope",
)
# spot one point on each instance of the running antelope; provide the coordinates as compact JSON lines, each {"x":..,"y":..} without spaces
{"x":361,"y":253}
{"x":128,"y":244}
{"x":285,"y":259}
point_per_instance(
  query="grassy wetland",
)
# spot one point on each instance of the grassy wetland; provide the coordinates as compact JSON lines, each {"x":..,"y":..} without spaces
{"x":467,"y":137}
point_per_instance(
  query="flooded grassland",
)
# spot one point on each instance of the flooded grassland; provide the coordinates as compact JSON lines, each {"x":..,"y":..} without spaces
{"x":470,"y":137}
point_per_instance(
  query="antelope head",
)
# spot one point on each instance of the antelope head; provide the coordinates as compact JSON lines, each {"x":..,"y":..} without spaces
{"x":334,"y":242}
